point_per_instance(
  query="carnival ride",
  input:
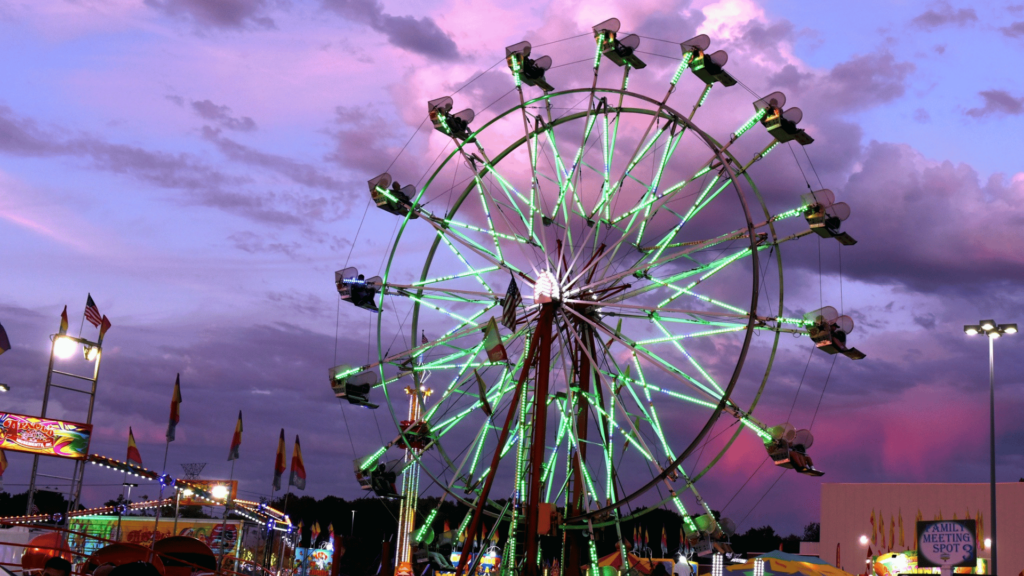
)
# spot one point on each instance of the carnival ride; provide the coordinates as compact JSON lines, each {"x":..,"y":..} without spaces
{"x":649,"y":274}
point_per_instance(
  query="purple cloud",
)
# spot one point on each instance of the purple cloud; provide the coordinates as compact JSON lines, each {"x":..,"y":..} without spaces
{"x":944,"y":14}
{"x":298,"y":172}
{"x":1015,"y":30}
{"x":227,"y":14}
{"x":222,"y":116}
{"x":866,"y":81}
{"x":997,"y":102}
{"x":419,"y":35}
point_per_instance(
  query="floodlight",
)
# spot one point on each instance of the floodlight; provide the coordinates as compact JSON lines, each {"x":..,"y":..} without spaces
{"x":64,"y":348}
{"x":219,"y":492}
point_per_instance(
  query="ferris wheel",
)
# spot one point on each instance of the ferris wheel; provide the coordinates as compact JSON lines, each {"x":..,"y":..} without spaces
{"x":570,"y":298}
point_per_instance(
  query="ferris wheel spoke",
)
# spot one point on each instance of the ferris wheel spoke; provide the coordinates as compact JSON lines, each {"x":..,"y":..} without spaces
{"x":638,"y":437}
{"x":661,"y":363}
{"x":675,"y":340}
{"x":652,"y":189}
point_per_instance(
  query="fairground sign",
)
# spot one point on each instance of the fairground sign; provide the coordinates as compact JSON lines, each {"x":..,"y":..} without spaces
{"x":947,"y":543}
{"x":43,"y":436}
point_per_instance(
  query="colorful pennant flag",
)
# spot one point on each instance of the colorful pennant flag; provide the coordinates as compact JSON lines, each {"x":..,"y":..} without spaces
{"x":172,"y":422}
{"x":664,"y":541}
{"x":492,"y":342}
{"x":5,"y":344}
{"x":902,"y":541}
{"x":874,"y":531}
{"x":297,"y":477}
{"x":981,"y":527}
{"x":881,"y":530}
{"x":892,"y":532}
{"x":133,"y":450}
{"x":92,"y":313}
{"x":314,"y":535}
{"x":920,"y":517}
{"x":236,"y":439}
{"x":279,"y":461}
{"x":104,"y":326}
{"x":330,"y":534}
{"x":63,"y":322}
{"x":509,"y":304}
{"x":482,"y":388}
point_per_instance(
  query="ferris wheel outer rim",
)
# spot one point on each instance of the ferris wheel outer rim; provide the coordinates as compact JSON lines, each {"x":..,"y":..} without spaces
{"x":663,"y":110}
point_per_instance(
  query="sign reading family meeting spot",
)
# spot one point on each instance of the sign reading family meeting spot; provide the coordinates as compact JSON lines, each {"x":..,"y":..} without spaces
{"x":947,"y":543}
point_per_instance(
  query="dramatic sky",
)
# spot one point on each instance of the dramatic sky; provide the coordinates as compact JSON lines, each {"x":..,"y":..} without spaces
{"x":199,"y":166}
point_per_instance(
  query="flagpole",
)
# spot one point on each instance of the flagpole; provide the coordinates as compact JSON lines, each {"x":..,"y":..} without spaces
{"x":268,"y":539}
{"x":284,"y":513}
{"x":123,"y":482}
{"x":159,"y":507}
{"x":224,"y":520}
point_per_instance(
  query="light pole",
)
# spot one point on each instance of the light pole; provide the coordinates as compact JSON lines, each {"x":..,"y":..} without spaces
{"x":993,"y":331}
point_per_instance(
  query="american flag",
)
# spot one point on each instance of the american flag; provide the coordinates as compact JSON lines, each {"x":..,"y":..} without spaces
{"x":508,"y":306}
{"x":92,"y":313}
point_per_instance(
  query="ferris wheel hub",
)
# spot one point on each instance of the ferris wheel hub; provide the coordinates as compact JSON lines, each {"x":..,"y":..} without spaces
{"x":547,"y":289}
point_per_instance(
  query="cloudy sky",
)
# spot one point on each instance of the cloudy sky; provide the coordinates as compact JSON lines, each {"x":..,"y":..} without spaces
{"x":199,"y":167}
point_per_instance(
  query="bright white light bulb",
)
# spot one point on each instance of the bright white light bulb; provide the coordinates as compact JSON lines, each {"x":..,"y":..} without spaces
{"x":546,"y":289}
{"x":863,"y":540}
{"x":219,"y":492}
{"x":64,"y":348}
{"x":988,"y":543}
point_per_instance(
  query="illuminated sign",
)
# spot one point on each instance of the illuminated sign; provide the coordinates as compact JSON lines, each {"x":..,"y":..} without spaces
{"x":216,"y":488}
{"x":947,"y":543}
{"x":318,"y":561}
{"x":43,"y":436}
{"x":88,"y":532}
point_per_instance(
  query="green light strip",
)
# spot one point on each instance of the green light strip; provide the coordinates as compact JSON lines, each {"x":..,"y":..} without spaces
{"x":693,"y":361}
{"x":465,"y":262}
{"x":652,"y":415}
{"x":671,"y":368}
{"x":653,"y":188}
{"x":750,"y":123}
{"x":373,"y":458}
{"x":693,"y":335}
{"x":704,"y":95}
{"x":600,"y":47}
{"x":466,"y":365}
{"x":683,"y":65}
{"x":516,"y":67}
{"x":789,"y":214}
{"x":426,"y":524}
{"x":490,"y":222}
{"x":446,"y":298}
{"x":464,"y":525}
{"x":646,"y":149}
{"x":673,"y":189}
{"x":494,"y":233}
{"x":454,"y":276}
{"x":441,"y":310}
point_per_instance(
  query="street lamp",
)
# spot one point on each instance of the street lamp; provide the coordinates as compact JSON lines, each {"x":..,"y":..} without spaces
{"x":993,"y":331}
